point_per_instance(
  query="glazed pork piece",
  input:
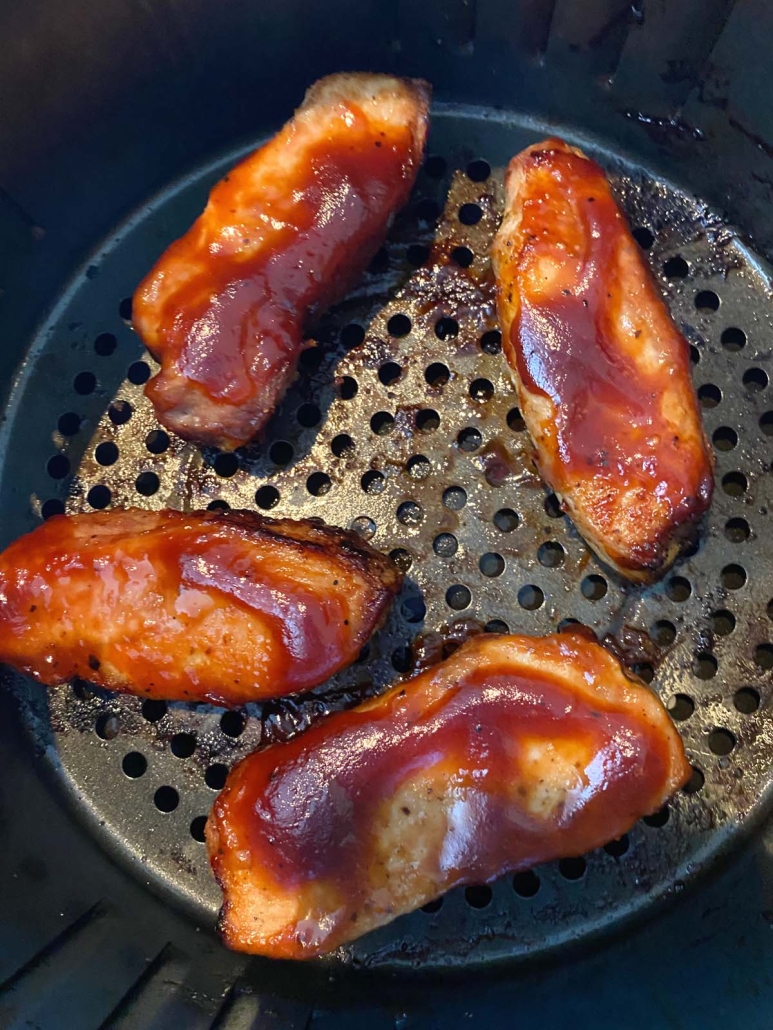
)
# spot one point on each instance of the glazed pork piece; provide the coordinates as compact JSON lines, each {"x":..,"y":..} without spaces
{"x":210,"y":606}
{"x":283,"y":236}
{"x":514,"y":751}
{"x":602,"y":373}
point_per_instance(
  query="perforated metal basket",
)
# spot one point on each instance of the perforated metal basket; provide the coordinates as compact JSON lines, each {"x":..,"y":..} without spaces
{"x":403,"y":425}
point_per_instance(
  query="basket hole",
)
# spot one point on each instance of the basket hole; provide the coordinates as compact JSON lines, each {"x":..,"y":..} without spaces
{"x":216,"y":775}
{"x":418,"y":466}
{"x":678,"y":588}
{"x":427,"y":419}
{"x":198,"y":827}
{"x":695,"y":354}
{"x":481,"y":390}
{"x":226,"y":465}
{"x":755,"y":379}
{"x":572,"y":868}
{"x":389,"y":373}
{"x":478,"y":897}
{"x":84,"y":383}
{"x":125,"y":309}
{"x":233,"y":723}
{"x":410,"y":513}
{"x":352,"y":335}
{"x":454,"y":498}
{"x":553,"y":507}
{"x":417,"y":255}
{"x":734,"y":484}
{"x":721,"y":742}
{"x":308,"y":415}
{"x":157,"y":441}
{"x":153,"y":710}
{"x":427,"y":210}
{"x":658,"y":819}
{"x":311,"y":360}
{"x":470,"y":214}
{"x":722,"y":622}
{"x":643,"y":237}
{"x":99,"y":497}
{"x":737,"y":530}
{"x":218,"y":505}
{"x":644,"y":670}
{"x":704,"y":665}
{"x":491,"y":564}
{"x":134,"y":765}
{"x":458,"y":597}
{"x":58,"y":466}
{"x":267,"y":497}
{"x":379,"y":262}
{"x":147,"y":483}
{"x":681,"y":707}
{"x":506,"y":520}
{"x":766,"y":423}
{"x":725,"y":438}
{"x":107,"y":726}
{"x":364,"y":526}
{"x":763,"y":657}
{"x":413,"y":609}
{"x":551,"y":554}
{"x":706,"y":300}
{"x":526,"y":884}
{"x":373,"y":482}
{"x":469,"y":439}
{"x":402,"y":558}
{"x":676,"y":268}
{"x":462,"y":256}
{"x":435,"y":167}
{"x":69,"y":423}
{"x":166,"y":799}
{"x":478,"y":170}
{"x":746,"y":700}
{"x":52,"y":507}
{"x":432,"y":906}
{"x":530,"y":597}
{"x":594,"y":587}
{"x":618,"y":848}
{"x":402,"y":659}
{"x":515,"y":420}
{"x":106,"y":453}
{"x":399,"y":325}
{"x":281,"y":453}
{"x":138,"y":372}
{"x":342,"y":446}
{"x":446,"y":328}
{"x":709,"y":395}
{"x":318,"y":484}
{"x":437,"y":374}
{"x":382,"y":423}
{"x":733,"y":577}
{"x":105,"y":344}
{"x":183,"y":745}
{"x":733,"y":339}
{"x":120,"y":412}
{"x":696,"y":781}
{"x":496,"y":626}
{"x":491,"y":342}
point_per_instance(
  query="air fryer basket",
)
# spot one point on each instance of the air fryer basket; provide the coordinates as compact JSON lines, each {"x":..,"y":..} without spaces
{"x":403,"y":425}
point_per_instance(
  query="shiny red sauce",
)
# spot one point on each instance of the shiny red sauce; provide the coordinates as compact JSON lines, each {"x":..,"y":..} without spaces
{"x":565,"y":345}
{"x":304,"y":811}
{"x":196,"y":607}
{"x":237,"y":324}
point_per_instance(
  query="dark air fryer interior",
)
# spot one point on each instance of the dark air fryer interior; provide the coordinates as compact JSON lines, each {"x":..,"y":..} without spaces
{"x":116,"y":119}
